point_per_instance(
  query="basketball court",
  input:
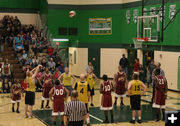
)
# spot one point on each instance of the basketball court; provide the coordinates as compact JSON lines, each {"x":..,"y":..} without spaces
{"x":100,"y":32}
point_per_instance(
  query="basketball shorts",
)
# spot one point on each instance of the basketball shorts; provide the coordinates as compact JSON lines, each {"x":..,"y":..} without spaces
{"x":120,"y":91}
{"x":58,"y":107}
{"x":159,"y":100}
{"x":135,"y":102}
{"x":30,"y":98}
{"x":75,"y":123}
{"x":92,"y":92}
{"x":16,"y":98}
{"x":106,"y":102}
{"x":45,"y":93}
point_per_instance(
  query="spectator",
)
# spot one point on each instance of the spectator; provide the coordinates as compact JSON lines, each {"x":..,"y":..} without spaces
{"x":44,"y":64}
{"x":35,"y":61}
{"x":57,"y":58}
{"x":57,"y":74}
{"x":18,"y":39}
{"x":35,"y":49}
{"x":23,"y":58}
{"x":50,"y":51}
{"x":27,"y":38}
{"x":18,"y":48}
{"x":124,"y":64}
{"x":141,"y":73}
{"x":58,"y":64}
{"x":26,"y":47}
{"x":61,"y":68}
{"x":136,"y":65}
{"x":29,"y":61}
{"x":51,"y":65}
{"x":150,"y":69}
{"x":45,"y":43}
{"x":6,"y":70}
{"x":90,"y":66}
{"x":38,"y":44}
{"x":33,"y":37}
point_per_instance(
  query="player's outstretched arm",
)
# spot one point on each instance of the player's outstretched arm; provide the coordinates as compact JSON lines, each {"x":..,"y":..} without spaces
{"x":144,"y":88}
{"x":114,"y":80}
{"x":51,"y":93}
{"x":101,"y":89}
{"x":129,"y":88}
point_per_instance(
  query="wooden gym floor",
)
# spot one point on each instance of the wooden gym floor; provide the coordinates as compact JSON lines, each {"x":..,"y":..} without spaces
{"x":7,"y":118}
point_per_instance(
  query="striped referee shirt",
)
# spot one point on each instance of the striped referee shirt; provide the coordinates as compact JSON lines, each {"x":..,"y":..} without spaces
{"x":75,"y":110}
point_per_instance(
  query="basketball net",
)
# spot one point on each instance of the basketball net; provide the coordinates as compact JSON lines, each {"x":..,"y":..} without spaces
{"x":138,"y":42}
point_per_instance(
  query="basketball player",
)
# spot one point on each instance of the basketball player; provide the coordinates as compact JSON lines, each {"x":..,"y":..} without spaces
{"x":56,"y":95}
{"x":91,"y":77}
{"x":30,"y":91}
{"x":16,"y":90}
{"x":134,"y":91}
{"x":160,"y":93}
{"x":120,"y":82}
{"x":47,"y":85}
{"x":66,"y":79}
{"x":83,"y":90}
{"x":106,"y":102}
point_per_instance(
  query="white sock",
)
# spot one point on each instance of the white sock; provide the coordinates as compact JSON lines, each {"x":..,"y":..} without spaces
{"x":88,"y":120}
{"x":139,"y":118}
{"x":133,"y":118}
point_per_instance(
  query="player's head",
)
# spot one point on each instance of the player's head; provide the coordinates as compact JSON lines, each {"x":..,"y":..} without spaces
{"x":74,"y":94}
{"x":158,"y":65}
{"x":137,"y":60}
{"x":90,"y":70}
{"x":47,"y":70}
{"x":123,"y":55}
{"x":135,"y":76}
{"x":105,"y":77}
{"x":120,"y":69}
{"x":157,"y":72}
{"x":66,"y":70}
{"x":57,"y":82}
{"x":82,"y":77}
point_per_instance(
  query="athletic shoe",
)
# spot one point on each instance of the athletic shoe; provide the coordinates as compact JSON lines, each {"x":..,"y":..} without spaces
{"x":122,"y":104}
{"x":13,"y":109}
{"x":132,"y":121}
{"x":112,"y":120}
{"x":139,"y":121}
{"x":26,"y":116}
{"x":17,"y":111}
{"x":88,"y":124}
{"x":48,"y":107}
{"x":106,"y":121}
{"x":157,"y":120}
{"x":92,"y":104}
{"x":115,"y":104}
{"x":30,"y":117}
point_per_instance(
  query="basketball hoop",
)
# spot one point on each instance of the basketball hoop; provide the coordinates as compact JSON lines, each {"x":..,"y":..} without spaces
{"x":138,"y":42}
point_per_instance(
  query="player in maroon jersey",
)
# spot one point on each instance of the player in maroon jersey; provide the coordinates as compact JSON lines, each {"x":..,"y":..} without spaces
{"x":106,"y":102}
{"x":47,"y":85}
{"x":58,"y":98}
{"x":16,"y":90}
{"x":160,"y":94}
{"x":120,"y":82}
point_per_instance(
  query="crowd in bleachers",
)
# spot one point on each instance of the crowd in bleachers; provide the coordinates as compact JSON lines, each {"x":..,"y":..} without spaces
{"x":31,"y":48}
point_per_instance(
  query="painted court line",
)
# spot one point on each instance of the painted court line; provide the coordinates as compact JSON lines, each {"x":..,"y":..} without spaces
{"x":96,"y":118}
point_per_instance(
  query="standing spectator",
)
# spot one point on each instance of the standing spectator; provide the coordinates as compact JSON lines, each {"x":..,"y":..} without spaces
{"x":141,"y":73}
{"x":50,"y":51}
{"x":136,"y":65}
{"x":89,"y":66}
{"x":62,"y":68}
{"x":57,"y":74}
{"x":158,"y":66}
{"x":57,"y":58}
{"x":44,"y":64}
{"x":6,"y":70}
{"x":124,"y":64}
{"x":75,"y":111}
{"x":150,"y":69}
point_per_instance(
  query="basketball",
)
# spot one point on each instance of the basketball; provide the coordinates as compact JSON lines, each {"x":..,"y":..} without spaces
{"x":72,"y":14}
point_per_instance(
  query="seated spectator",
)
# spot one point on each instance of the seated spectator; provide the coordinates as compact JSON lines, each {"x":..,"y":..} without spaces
{"x":35,"y":49}
{"x":22,"y":34}
{"x":23,"y":58}
{"x":44,"y":64}
{"x":26,"y":47}
{"x":38,"y":44}
{"x":57,"y":74}
{"x":58,"y":64}
{"x":33,"y":37}
{"x":35,"y":61}
{"x":50,"y":51}
{"x":18,"y":48}
{"x":61,"y":68}
{"x":6,"y":86}
{"x":57,"y":58}
{"x":29,"y":61}
{"x":45,"y":43}
{"x":18,"y":39}
{"x":31,"y":53}
{"x":27,"y":38}
{"x":6,"y":70}
{"x":51,"y":65}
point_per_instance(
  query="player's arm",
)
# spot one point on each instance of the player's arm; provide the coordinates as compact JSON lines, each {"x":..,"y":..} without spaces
{"x":166,"y":87}
{"x":101,"y":89}
{"x":60,"y":77}
{"x":75,"y":86}
{"x":129,"y":88}
{"x":144,"y":88}
{"x":112,"y":87}
{"x":67,"y":94}
{"x":51,"y":93}
{"x":89,"y":93}
{"x":74,"y":79}
{"x":36,"y":71}
{"x":11,"y":90}
{"x":40,"y":80}
{"x":114,"y":80}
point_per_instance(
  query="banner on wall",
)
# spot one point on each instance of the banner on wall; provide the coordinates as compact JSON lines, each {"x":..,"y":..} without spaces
{"x":135,"y":15}
{"x":160,"y":13}
{"x":128,"y":16}
{"x":172,"y":11}
{"x":100,"y":26}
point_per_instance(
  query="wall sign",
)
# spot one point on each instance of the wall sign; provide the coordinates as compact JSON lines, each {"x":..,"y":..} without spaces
{"x":100,"y":26}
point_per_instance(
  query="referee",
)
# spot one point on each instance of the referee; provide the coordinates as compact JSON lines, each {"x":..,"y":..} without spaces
{"x":75,"y":111}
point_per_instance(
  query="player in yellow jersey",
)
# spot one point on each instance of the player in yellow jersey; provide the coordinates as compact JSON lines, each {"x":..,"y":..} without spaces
{"x":66,"y":79}
{"x":134,"y":90}
{"x":30,"y":91}
{"x":91,"y":78}
{"x":83,"y":90}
